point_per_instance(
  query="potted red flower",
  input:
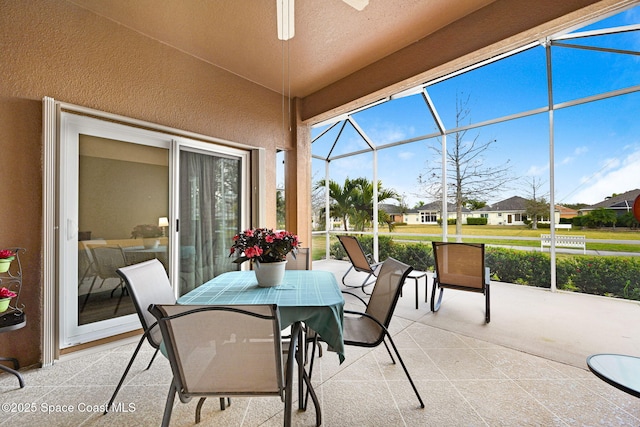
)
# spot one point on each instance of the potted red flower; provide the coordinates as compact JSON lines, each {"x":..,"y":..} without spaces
{"x":6,"y":256}
{"x":267,"y":249}
{"x":150,"y":235}
{"x":5,"y":298}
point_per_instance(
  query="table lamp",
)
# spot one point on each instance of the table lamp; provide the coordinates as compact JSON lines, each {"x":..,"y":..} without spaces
{"x":163,"y":222}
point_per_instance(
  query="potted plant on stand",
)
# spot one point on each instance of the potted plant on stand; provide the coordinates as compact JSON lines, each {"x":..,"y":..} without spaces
{"x":150,"y":235}
{"x":267,"y":250}
{"x":5,"y":298}
{"x":6,"y":256}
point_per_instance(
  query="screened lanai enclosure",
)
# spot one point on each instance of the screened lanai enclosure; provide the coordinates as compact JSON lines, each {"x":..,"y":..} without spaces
{"x":497,"y":151}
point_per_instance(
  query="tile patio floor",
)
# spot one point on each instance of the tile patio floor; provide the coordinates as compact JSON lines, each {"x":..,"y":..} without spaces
{"x":526,"y":368}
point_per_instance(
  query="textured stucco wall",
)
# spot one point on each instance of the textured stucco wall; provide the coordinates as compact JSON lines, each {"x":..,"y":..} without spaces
{"x":56,"y":49}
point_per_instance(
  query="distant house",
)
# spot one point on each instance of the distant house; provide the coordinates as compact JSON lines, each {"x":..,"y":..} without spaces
{"x":431,"y":213}
{"x":566,"y":212}
{"x":511,"y":211}
{"x":394,"y":211}
{"x":621,"y":204}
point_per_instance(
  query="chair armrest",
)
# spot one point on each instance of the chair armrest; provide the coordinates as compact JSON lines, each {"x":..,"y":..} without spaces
{"x":487,"y":275}
{"x":368,"y":316}
{"x":354,"y":295}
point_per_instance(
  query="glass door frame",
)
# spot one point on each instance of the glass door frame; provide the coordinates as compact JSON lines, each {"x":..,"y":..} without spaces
{"x":70,"y":126}
{"x":205,"y":148}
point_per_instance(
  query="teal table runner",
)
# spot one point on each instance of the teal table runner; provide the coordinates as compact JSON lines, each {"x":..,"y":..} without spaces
{"x":312,"y":297}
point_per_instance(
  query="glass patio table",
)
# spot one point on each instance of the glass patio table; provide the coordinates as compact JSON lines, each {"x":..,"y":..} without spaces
{"x":619,"y":370}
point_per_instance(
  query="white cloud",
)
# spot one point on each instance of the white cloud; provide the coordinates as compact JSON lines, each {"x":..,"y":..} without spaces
{"x":535,"y":170}
{"x":567,"y":160}
{"x":616,"y":176}
{"x":405,"y":155}
{"x":384,"y":133}
{"x":580,"y":150}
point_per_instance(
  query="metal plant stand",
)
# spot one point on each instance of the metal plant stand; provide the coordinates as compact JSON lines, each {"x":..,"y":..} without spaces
{"x":14,"y":318}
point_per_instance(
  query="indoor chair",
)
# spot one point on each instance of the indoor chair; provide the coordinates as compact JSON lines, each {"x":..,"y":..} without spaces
{"x":106,"y":260}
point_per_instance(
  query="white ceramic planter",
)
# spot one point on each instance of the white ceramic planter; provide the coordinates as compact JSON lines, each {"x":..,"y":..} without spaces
{"x":270,"y":274}
{"x":151,"y":242}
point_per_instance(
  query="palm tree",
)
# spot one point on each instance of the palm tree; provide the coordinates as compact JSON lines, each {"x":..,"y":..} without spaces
{"x":364,"y":201}
{"x":342,"y":199}
{"x":354,"y":200}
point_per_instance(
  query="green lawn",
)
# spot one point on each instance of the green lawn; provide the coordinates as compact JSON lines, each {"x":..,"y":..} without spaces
{"x":499,"y":235}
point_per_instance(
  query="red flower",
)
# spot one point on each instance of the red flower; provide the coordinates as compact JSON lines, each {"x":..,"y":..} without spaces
{"x":253,"y":252}
{"x":6,"y":253}
{"x":6,"y":293}
{"x":263,"y":245}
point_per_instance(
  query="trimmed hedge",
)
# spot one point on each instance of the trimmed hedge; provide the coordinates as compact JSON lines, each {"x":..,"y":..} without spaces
{"x":522,"y":267}
{"x":477,"y":221}
{"x":597,"y":275}
{"x":417,"y":255}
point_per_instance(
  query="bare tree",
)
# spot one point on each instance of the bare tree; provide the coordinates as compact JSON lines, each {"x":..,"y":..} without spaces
{"x":536,"y":205}
{"x":469,"y":176}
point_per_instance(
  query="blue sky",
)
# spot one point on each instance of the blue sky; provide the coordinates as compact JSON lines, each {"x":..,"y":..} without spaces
{"x":597,"y":145}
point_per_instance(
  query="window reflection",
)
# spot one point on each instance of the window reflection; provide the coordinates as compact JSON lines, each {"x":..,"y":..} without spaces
{"x":123,"y":192}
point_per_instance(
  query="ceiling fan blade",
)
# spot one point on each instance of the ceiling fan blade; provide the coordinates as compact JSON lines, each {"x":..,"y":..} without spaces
{"x":285,"y":14}
{"x":357,"y":4}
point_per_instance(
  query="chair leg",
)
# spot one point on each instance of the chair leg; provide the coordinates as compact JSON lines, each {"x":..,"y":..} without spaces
{"x":199,"y":407}
{"x":362,"y":286}
{"x":224,"y":404}
{"x":313,"y":357}
{"x":171,"y":397}
{"x":435,"y":305}
{"x":119,"y":301}
{"x":426,"y":289}
{"x":288,"y":400}
{"x":126,"y":371}
{"x":367,"y":283}
{"x":405,"y":369}
{"x":314,"y":397}
{"x":153,"y":358}
{"x":316,"y":344}
{"x":307,"y":380}
{"x":345,"y":276}
{"x":389,"y":351}
{"x":86,"y":298}
{"x":84,"y":275}
{"x":487,"y":305}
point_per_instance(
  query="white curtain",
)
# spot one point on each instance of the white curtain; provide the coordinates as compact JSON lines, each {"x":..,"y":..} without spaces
{"x":209,"y":216}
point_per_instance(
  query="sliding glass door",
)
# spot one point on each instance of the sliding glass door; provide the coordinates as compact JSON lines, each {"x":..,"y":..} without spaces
{"x":128,"y":195}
